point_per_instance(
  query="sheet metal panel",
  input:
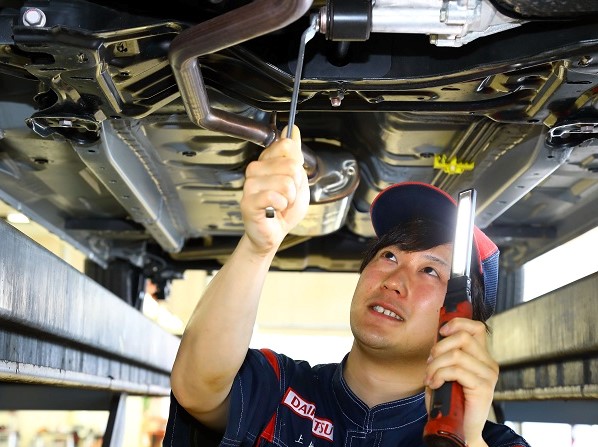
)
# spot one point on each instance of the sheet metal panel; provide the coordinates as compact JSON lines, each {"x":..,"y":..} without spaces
{"x":59,"y":326}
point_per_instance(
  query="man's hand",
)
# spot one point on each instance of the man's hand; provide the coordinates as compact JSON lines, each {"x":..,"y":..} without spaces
{"x":462,"y":356}
{"x":277,"y":179}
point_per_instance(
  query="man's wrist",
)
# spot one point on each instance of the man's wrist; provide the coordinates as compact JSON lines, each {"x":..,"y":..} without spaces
{"x":247,"y":245}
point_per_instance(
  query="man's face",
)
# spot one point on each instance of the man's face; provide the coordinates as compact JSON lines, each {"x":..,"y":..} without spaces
{"x":396,"y":304}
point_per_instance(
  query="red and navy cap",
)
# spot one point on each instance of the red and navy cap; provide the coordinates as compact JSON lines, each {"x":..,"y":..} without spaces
{"x":402,"y":202}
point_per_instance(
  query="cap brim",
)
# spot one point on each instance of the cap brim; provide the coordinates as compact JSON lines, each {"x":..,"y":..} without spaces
{"x":405,"y":201}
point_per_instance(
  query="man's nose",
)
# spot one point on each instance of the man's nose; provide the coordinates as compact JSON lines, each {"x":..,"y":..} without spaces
{"x":396,"y":281}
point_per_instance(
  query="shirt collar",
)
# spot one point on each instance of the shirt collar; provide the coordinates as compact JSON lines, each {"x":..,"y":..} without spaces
{"x":389,"y":415}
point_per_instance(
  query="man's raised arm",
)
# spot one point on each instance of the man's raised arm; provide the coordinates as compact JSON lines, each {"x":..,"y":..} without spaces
{"x":219,"y":331}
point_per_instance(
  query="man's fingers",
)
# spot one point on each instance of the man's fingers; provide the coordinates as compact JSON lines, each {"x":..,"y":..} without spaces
{"x":462,"y":367}
{"x":462,"y":349}
{"x":281,"y":165}
{"x":295,"y":135}
{"x":283,"y":157}
{"x":463,"y":343}
{"x":269,"y":188}
{"x":285,"y":147}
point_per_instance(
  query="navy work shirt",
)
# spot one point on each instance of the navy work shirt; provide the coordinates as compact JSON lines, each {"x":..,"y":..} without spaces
{"x":278,"y":401}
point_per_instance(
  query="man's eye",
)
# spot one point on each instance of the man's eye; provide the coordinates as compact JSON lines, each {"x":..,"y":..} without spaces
{"x":389,"y":255}
{"x":430,"y":271}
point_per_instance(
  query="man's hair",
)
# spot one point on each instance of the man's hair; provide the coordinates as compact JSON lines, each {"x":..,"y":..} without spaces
{"x":423,"y":234}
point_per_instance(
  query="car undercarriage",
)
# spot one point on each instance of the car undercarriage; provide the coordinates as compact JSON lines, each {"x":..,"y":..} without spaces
{"x":126,"y":128}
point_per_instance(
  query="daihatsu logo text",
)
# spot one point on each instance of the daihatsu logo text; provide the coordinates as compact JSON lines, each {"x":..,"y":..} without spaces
{"x":322,"y":428}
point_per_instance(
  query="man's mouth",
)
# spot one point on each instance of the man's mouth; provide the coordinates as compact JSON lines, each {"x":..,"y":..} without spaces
{"x":387,"y":312}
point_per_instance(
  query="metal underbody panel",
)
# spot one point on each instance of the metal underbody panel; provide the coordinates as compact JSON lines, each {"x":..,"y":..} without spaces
{"x":58,"y":327}
{"x":126,"y":129}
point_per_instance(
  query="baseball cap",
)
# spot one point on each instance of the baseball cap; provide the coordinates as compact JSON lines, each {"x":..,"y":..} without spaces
{"x":407,"y":200}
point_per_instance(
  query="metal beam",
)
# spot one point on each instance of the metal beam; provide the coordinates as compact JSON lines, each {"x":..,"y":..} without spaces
{"x":547,"y":348}
{"x":553,"y":411}
{"x":59,"y":327}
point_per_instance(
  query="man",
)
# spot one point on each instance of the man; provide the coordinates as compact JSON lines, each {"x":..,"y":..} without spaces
{"x":229,"y":395}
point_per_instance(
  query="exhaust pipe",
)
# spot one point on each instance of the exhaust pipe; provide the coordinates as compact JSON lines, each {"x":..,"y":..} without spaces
{"x":247,"y":22}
